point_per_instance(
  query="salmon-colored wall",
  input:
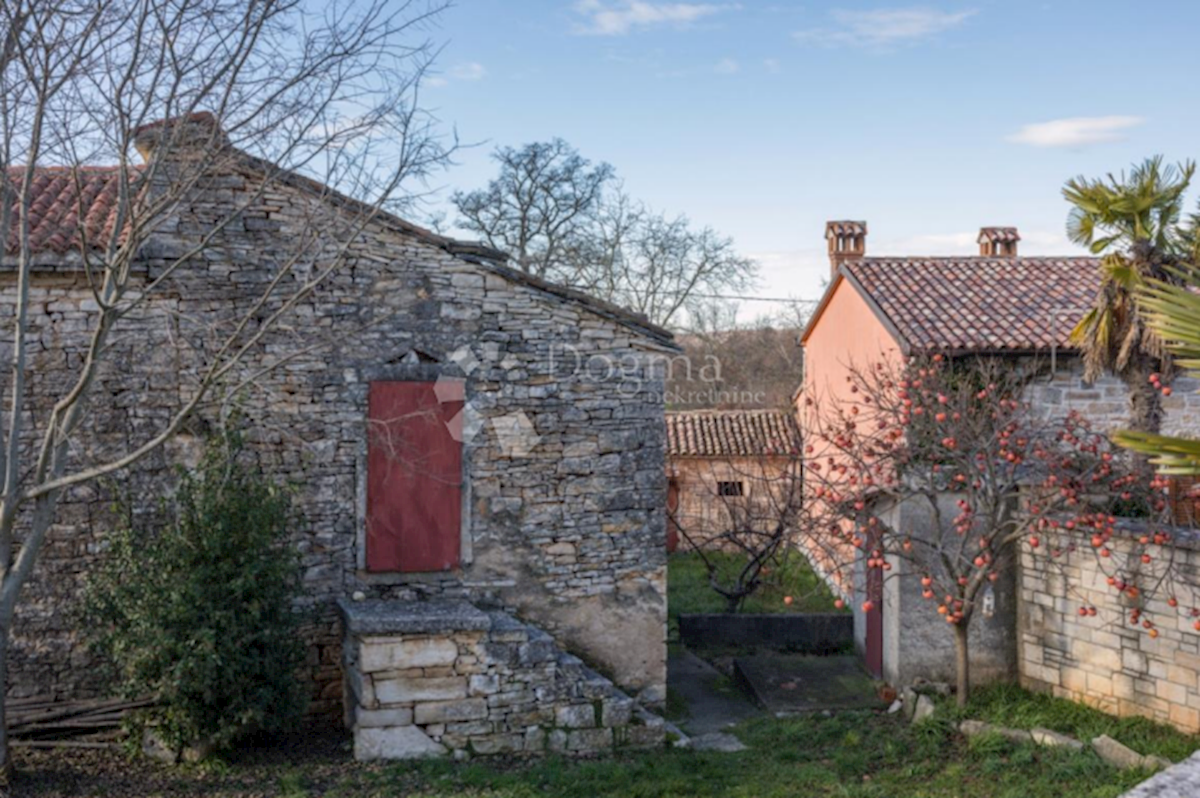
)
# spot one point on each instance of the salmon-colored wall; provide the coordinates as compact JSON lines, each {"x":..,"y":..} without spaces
{"x":848,"y":336}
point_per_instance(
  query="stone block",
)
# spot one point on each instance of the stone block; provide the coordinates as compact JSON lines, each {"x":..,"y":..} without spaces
{"x":975,"y":728}
{"x":924,"y":709}
{"x":1053,"y":739}
{"x":374,"y":718}
{"x":589,"y":739}
{"x":498,"y":743}
{"x":1116,"y":754}
{"x":1153,"y":762}
{"x":401,"y":654}
{"x":481,"y":685}
{"x":450,"y":711}
{"x":470,"y":728}
{"x":575,"y":716}
{"x":408,"y":690}
{"x":397,"y":742}
{"x":616,"y":712}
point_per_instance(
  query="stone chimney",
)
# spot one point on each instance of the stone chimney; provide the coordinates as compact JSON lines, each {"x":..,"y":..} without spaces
{"x":184,"y":137}
{"x":998,"y":242}
{"x":847,"y":241}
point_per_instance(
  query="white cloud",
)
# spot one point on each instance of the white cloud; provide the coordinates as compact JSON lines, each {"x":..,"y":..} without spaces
{"x":619,"y":17}
{"x":1077,"y":131}
{"x":466,"y":71}
{"x":726,"y":66}
{"x":471,"y":70}
{"x":884,"y":27}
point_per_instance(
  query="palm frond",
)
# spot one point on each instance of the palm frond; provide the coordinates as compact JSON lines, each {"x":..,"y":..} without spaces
{"x":1171,"y":455}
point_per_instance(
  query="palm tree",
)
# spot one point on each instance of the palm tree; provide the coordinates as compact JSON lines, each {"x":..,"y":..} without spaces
{"x":1172,"y":312}
{"x":1132,"y":221}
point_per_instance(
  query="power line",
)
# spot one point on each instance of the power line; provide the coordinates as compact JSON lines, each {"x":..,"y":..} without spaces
{"x":746,"y":298}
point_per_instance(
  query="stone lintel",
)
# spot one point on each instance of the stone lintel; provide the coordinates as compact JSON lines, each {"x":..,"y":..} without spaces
{"x":411,"y":617}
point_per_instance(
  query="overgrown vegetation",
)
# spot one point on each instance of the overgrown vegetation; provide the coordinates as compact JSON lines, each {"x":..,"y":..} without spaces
{"x":196,"y":608}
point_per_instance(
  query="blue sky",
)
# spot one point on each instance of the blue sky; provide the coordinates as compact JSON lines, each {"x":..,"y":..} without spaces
{"x":765,"y":119}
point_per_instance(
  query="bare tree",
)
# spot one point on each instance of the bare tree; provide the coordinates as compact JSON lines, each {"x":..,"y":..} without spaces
{"x":321,"y":98}
{"x":540,"y":207}
{"x":568,"y":221}
{"x":751,"y":508}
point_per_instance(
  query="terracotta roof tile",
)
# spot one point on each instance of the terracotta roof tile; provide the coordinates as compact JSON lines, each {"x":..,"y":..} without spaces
{"x":980,"y":304}
{"x":731,"y":433}
{"x":65,"y":206}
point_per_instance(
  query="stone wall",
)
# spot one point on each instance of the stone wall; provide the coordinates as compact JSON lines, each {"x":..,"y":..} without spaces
{"x":565,"y":529}
{"x":1102,"y":660}
{"x":434,"y":677}
{"x":1105,"y":402}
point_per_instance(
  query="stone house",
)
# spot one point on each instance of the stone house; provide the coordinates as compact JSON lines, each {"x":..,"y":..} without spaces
{"x":481,"y":490}
{"x":726,"y":467}
{"x":996,"y":303}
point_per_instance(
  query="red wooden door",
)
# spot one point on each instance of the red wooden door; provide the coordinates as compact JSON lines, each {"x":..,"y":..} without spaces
{"x":874,"y":652}
{"x":414,"y":478}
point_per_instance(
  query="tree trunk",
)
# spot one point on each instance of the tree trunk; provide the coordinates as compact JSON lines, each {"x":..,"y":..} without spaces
{"x":962,"y":663}
{"x":1145,"y":406}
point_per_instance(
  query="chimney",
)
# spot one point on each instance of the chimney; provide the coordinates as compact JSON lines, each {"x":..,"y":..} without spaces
{"x":998,"y":242}
{"x":182,"y":136}
{"x":847,"y":241}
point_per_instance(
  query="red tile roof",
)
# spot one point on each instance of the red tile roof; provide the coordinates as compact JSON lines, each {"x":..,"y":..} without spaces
{"x":67,"y":205}
{"x":978,"y":304}
{"x":731,"y":433}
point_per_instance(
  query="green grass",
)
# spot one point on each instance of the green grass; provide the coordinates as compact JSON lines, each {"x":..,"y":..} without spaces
{"x":688,"y":590}
{"x":1008,"y":705}
{"x":849,"y":755}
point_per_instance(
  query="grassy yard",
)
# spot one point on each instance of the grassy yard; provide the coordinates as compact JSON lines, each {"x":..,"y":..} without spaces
{"x":849,"y":755}
{"x":688,"y":590}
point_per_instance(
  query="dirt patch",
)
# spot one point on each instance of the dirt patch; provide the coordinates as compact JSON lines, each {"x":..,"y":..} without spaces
{"x":313,"y":759}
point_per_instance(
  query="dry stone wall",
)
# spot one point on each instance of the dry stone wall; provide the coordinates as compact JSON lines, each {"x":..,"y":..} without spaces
{"x":436,"y":677}
{"x":564,"y":472}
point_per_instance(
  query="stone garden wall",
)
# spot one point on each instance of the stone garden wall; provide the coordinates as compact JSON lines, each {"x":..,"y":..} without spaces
{"x":437,"y":677}
{"x":1103,"y":660}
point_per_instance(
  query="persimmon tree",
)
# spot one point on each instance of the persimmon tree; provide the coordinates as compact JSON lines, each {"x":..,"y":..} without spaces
{"x":992,"y":474}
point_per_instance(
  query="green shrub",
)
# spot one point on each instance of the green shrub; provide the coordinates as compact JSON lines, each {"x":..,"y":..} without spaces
{"x":197,"y":609}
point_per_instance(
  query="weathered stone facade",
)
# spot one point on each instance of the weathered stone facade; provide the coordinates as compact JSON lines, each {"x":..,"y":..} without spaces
{"x":566,"y":531}
{"x":1105,"y":402}
{"x":434,"y":677}
{"x":1100,"y":660}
